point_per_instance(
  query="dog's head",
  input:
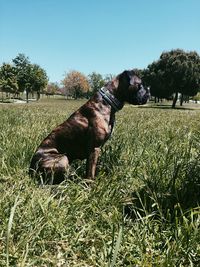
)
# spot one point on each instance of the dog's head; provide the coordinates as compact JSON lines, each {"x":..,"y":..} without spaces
{"x":129,"y":88}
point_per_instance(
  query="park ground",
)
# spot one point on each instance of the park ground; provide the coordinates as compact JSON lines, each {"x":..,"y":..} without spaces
{"x":142,"y":209}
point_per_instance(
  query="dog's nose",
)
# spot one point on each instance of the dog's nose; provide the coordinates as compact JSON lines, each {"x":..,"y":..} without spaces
{"x":142,"y":91}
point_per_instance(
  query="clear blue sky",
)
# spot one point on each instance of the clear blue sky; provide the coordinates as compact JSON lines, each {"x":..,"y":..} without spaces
{"x":106,"y":36}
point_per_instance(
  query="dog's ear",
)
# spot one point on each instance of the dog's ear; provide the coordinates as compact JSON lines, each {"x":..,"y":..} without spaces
{"x":127,"y":76}
{"x":134,"y":79}
{"x":120,"y":78}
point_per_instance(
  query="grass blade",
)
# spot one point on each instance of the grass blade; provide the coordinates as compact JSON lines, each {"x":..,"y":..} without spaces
{"x":9,"y":229}
{"x":117,"y":246}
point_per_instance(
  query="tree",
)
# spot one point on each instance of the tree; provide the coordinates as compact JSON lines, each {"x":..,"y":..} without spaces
{"x":38,"y":79}
{"x":108,"y":77}
{"x":23,"y":69}
{"x":175,"y":72}
{"x":30,"y":77}
{"x":8,"y":79}
{"x":51,"y":89}
{"x":76,"y":84}
{"x":153,"y":76}
{"x":95,"y":81}
{"x":196,"y":98}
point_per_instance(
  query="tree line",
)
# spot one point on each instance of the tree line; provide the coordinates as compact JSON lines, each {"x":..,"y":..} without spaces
{"x":175,"y":73}
{"x":76,"y":85}
{"x":22,"y":76}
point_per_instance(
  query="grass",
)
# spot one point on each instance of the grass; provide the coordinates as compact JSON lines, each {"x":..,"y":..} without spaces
{"x":142,"y":209}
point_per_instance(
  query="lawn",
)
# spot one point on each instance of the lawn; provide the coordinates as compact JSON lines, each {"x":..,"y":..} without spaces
{"x":142,"y":209}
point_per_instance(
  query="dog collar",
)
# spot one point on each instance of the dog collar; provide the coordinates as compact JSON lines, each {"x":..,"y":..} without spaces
{"x":110,"y":99}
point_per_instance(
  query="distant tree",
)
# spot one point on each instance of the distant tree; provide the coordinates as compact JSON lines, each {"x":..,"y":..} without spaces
{"x":51,"y":89}
{"x":8,"y":79}
{"x":175,"y":72}
{"x":75,"y":84}
{"x":38,"y":79}
{"x":108,"y":78}
{"x":23,"y":69}
{"x":30,"y":77}
{"x":96,"y":81}
{"x":196,"y":98}
{"x":154,"y":77}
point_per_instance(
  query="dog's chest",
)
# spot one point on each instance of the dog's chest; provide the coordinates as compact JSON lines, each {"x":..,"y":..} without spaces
{"x":111,"y":125}
{"x":105,"y":127}
{"x":100,"y":121}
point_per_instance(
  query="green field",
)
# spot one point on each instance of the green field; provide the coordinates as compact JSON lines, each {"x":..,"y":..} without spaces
{"x":142,"y":209}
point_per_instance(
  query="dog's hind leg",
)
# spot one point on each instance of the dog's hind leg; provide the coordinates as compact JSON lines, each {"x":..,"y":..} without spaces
{"x":49,"y":166}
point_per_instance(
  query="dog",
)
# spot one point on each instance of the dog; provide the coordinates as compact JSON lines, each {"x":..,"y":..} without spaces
{"x":83,"y":134}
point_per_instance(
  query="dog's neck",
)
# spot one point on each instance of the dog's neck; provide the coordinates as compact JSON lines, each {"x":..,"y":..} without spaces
{"x":107,"y":93}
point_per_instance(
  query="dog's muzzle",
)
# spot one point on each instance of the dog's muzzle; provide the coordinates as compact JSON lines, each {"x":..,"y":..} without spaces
{"x":141,"y":97}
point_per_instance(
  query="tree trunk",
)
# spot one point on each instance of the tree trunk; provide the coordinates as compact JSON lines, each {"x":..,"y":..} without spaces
{"x":181,"y":100}
{"x":175,"y":100}
{"x":187,"y":99}
{"x":38,"y":95}
{"x":26,"y":95}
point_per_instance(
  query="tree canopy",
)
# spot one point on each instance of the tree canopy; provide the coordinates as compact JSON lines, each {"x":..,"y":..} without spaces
{"x":52,"y":89}
{"x":76,"y":84}
{"x":22,"y":76}
{"x":175,"y":72}
{"x":8,"y":79}
{"x":96,"y":81}
{"x":38,"y":79}
{"x":30,"y":77}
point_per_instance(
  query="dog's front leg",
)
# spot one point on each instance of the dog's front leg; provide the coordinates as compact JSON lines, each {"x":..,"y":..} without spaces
{"x":92,"y":163}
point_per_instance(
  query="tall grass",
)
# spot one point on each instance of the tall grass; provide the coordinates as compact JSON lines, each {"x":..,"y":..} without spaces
{"x":142,"y":209}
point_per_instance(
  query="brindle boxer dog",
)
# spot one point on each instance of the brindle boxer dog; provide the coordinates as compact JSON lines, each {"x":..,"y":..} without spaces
{"x":86,"y":130}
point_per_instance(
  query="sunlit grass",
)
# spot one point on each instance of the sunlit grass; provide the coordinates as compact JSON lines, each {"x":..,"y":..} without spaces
{"x":142,"y":209}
